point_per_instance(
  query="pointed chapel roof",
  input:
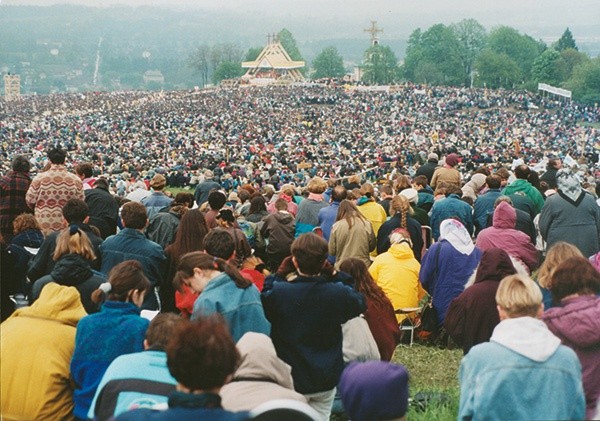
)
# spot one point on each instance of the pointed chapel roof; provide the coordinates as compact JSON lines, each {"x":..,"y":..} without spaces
{"x":273,"y":56}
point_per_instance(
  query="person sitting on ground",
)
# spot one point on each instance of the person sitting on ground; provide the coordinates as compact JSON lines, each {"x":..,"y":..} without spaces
{"x":370,"y":209}
{"x":73,"y":256}
{"x":380,"y":314}
{"x":451,"y":207}
{"x":261,"y":376}
{"x":157,"y":199}
{"x":506,"y":377}
{"x":25,"y":243}
{"x":223,"y":290}
{"x":375,"y":390}
{"x":425,"y":192}
{"x":306,"y":336}
{"x":37,"y":344}
{"x":575,"y":286}
{"x":162,"y":227}
{"x":279,"y":229}
{"x":447,"y":173}
{"x":116,"y":330}
{"x":401,"y":218}
{"x":141,"y":379}
{"x":307,"y":217}
{"x":202,"y":357}
{"x":472,"y":316}
{"x":104,"y":208}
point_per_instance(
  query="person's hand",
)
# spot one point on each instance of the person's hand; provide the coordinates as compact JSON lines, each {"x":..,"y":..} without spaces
{"x":286,"y":267}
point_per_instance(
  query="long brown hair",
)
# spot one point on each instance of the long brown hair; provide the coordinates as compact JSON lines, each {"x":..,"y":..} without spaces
{"x":125,"y":277}
{"x":349,"y":211}
{"x":201,"y":260}
{"x":364,"y":282}
{"x":190,"y":235}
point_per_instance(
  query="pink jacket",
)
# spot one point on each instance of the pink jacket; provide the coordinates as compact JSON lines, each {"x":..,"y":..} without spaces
{"x":503,"y":235}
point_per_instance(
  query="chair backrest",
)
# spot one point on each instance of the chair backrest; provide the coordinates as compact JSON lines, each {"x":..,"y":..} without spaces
{"x":427,"y":235}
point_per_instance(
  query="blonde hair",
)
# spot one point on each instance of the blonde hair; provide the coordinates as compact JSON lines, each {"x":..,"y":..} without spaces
{"x":519,"y":296}
{"x":557,"y":254}
{"x":73,"y":240}
{"x":401,"y":204}
{"x":316,"y":185}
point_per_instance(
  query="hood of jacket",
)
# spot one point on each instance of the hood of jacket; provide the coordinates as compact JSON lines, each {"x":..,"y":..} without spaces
{"x":56,"y":302}
{"x":494,"y":265}
{"x":578,"y":320}
{"x":283,"y":217}
{"x":71,"y":269}
{"x":259,"y":361}
{"x":526,"y":336}
{"x":401,"y":251}
{"x":505,"y":216}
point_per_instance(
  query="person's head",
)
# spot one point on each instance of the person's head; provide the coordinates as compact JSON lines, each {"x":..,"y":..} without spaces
{"x":400,"y":205}
{"x":339,"y":193}
{"x":84,"y":170}
{"x":559,"y":252}
{"x":386,"y":191}
{"x":400,"y":236}
{"x":522,"y":172}
{"x":161,"y":330}
{"x":20,"y":164}
{"x":504,"y":175}
{"x":402,"y":182}
{"x":216,"y":200}
{"x":73,"y":240}
{"x":185,"y":199}
{"x":433,"y":157}
{"x":493,"y":181}
{"x":101,"y":183}
{"x":208,"y":175}
{"x":190,"y":234}
{"x":197,"y":269}
{"x":25,"y":222}
{"x":412,"y":195}
{"x":309,"y":252}
{"x":257,"y":204}
{"x":134,"y":215}
{"x":57,"y":155}
{"x":201,"y":355}
{"x":158,"y":182}
{"x":452,"y":160}
{"x":568,"y":183}
{"x":225,"y":218}
{"x":554,"y":163}
{"x":219,"y":243}
{"x":75,"y":211}
{"x":518,"y":296}
{"x":374,"y":390}
{"x":420,"y":182}
{"x":368,"y":191}
{"x":281,"y":204}
{"x":316,"y":185}
{"x":354,"y":179}
{"x":502,"y":199}
{"x":441,"y":189}
{"x":243,"y":195}
{"x":574,"y":276}
{"x":495,"y":265}
{"x":126,"y":283}
{"x":349,"y":211}
{"x":453,"y":189}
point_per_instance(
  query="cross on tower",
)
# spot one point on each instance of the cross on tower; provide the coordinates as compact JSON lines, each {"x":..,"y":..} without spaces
{"x":373,"y":30}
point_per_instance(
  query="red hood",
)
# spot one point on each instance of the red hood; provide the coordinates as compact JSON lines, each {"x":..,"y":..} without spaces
{"x":505,"y":216}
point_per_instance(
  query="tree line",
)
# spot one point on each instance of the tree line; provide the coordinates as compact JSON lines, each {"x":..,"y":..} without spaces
{"x":460,"y":54}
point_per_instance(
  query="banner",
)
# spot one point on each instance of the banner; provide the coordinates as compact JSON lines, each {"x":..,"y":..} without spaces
{"x":554,"y":90}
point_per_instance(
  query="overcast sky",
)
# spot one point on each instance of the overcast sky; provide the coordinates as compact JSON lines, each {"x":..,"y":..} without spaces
{"x":397,"y":17}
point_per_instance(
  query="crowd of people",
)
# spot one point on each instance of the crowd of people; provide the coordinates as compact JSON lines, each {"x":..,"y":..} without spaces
{"x":301,"y":240}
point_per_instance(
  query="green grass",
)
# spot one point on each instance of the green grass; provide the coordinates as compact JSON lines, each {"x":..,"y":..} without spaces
{"x":434,"y":370}
{"x":593,"y":125}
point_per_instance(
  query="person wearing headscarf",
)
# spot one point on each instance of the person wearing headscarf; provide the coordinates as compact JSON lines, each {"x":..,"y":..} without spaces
{"x":447,"y":265}
{"x":572,"y":215}
{"x":503,"y":234}
{"x":472,"y":316}
{"x":474,"y":186}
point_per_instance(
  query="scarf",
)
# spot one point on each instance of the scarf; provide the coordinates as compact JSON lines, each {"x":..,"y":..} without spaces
{"x":457,"y":235}
{"x":568,"y":184}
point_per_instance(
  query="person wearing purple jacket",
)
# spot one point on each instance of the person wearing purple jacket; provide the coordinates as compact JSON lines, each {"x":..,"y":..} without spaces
{"x":575,"y":284}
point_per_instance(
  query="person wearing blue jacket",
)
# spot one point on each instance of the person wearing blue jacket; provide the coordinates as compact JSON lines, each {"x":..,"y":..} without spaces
{"x":451,"y":207}
{"x":116,"y":330}
{"x":448,"y":264}
{"x":523,"y":372}
{"x":306,"y":302}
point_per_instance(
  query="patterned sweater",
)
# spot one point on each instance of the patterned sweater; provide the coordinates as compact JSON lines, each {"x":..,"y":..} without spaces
{"x":48,"y":193}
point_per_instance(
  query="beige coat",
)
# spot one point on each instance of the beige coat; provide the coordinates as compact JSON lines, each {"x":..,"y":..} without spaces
{"x":357,"y":241}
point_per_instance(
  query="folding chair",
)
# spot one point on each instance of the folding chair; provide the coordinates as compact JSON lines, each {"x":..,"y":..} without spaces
{"x":411,"y":319}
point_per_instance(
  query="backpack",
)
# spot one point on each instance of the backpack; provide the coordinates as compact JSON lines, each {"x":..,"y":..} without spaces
{"x":248,"y":231}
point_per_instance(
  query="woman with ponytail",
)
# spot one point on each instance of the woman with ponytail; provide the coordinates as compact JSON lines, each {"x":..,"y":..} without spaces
{"x":73,"y":255}
{"x":370,"y":209}
{"x":223,"y":290}
{"x":401,"y":218}
{"x":116,"y":330}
